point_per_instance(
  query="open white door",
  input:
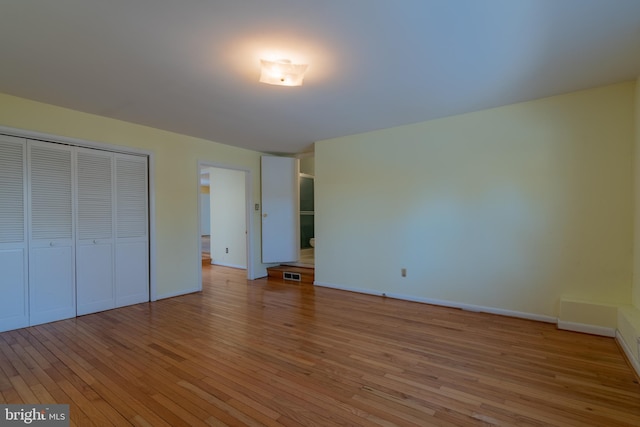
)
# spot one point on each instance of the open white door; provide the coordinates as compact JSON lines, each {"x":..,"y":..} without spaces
{"x":280,"y":209}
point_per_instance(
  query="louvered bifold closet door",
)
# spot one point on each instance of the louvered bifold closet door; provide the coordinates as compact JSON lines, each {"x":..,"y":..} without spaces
{"x":14,"y":297}
{"x":132,"y":230}
{"x":51,"y":239}
{"x":95,"y":231}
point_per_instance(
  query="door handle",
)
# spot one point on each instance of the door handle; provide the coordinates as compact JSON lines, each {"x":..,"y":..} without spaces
{"x":264,"y":215}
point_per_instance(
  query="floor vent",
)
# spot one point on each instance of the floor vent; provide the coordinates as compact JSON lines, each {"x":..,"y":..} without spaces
{"x":287,"y":275}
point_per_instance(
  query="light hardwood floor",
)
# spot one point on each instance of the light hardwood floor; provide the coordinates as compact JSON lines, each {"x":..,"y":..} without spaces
{"x":278,"y":354}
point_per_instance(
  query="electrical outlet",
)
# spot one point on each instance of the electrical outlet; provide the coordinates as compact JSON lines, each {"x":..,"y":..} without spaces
{"x":226,"y":250}
{"x":403,"y":272}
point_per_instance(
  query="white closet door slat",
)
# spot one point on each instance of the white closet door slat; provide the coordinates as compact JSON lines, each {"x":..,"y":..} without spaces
{"x":95,"y":201}
{"x":131,"y":193}
{"x":51,"y":193}
{"x":11,"y":191}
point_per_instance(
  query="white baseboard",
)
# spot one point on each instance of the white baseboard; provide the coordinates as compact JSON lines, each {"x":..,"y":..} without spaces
{"x":445,"y":303}
{"x":221,"y":264}
{"x":347,"y":288}
{"x":587,"y":329}
{"x":628,"y":353}
{"x":179,"y":293}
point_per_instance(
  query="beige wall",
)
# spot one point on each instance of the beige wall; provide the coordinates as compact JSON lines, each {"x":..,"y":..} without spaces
{"x":307,"y":165}
{"x":636,"y":275}
{"x":176,"y":179}
{"x":510,"y":208}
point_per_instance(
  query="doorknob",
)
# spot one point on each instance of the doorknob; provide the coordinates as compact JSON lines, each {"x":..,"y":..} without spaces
{"x":264,"y":215}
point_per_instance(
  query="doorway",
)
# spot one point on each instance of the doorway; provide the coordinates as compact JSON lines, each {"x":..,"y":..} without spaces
{"x":307,"y":209}
{"x":223,"y":217}
{"x":307,"y":223}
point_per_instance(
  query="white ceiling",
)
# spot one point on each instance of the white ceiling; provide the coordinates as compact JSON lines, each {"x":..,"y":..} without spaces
{"x":192,"y":66}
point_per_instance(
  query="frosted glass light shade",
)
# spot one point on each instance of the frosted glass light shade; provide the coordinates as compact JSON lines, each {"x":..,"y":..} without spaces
{"x":282,"y":72}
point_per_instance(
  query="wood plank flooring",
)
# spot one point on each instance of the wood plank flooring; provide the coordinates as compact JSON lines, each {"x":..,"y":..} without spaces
{"x":270,"y":353}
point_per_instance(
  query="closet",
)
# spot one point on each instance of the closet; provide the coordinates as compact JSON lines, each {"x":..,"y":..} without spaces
{"x":73,"y":231}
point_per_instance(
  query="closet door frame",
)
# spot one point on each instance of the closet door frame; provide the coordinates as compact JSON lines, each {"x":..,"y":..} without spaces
{"x":26,"y":134}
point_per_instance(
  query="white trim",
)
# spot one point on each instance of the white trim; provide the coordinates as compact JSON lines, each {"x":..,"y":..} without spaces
{"x":248,"y":179}
{"x":444,"y":303}
{"x":153,"y":289}
{"x":635,"y":364}
{"x":199,"y":220}
{"x":46,"y":137}
{"x":249,"y":213}
{"x":586,"y":329}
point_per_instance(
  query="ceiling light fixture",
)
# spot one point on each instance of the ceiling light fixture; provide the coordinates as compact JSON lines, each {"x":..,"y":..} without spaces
{"x":282,"y":72}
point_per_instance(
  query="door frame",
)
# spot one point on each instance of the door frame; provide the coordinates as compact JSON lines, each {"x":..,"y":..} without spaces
{"x":151,"y":165}
{"x":248,"y":192}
